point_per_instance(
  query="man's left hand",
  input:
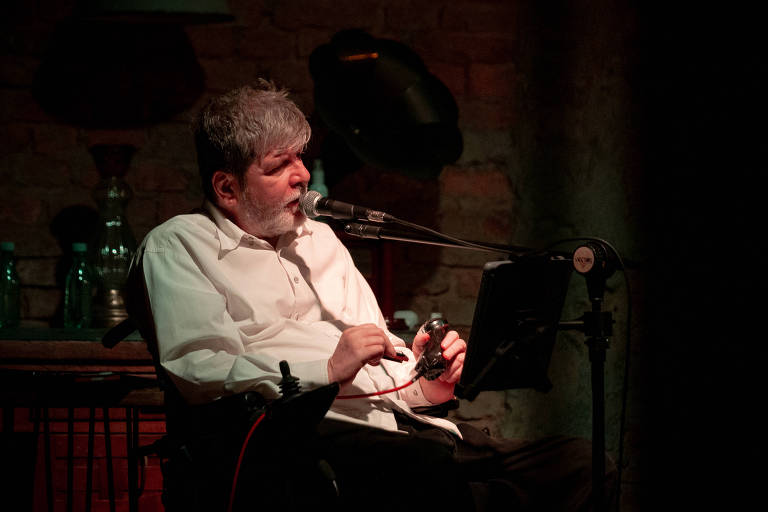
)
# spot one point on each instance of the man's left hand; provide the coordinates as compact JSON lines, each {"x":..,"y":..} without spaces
{"x":454,"y":350}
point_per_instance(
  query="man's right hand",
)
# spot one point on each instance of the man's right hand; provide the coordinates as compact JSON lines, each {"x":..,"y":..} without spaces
{"x":358,"y":346}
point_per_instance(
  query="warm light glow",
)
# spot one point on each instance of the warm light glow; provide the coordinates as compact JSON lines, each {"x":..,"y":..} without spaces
{"x":360,"y":56}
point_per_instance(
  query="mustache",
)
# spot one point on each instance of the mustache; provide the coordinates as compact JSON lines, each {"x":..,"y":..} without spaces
{"x":302,"y":191}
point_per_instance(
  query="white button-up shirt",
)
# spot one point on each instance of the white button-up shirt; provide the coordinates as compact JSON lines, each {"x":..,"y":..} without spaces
{"x":228,"y":307}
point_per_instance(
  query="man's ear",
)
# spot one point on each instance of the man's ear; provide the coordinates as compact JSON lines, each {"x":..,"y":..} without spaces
{"x":226,"y":188}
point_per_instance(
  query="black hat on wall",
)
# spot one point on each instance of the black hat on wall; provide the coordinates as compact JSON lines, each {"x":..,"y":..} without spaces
{"x":378,"y":96}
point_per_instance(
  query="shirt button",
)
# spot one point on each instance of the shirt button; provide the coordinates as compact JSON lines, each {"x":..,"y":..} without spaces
{"x":295,"y":279}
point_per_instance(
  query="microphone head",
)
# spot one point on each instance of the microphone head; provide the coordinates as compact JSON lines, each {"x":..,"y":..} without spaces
{"x":308,"y":203}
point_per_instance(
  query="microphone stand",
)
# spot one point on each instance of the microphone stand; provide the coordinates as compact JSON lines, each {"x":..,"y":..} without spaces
{"x":593,"y":260}
{"x":380,"y":232}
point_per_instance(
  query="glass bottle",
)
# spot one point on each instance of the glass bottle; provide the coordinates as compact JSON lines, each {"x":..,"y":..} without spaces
{"x":318,"y":184}
{"x":318,"y":178}
{"x":79,"y":289}
{"x":10,"y":287}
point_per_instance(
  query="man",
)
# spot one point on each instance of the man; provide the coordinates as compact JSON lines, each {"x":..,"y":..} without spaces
{"x":250,"y":281}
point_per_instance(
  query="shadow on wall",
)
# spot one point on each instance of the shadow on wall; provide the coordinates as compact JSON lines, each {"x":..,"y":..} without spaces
{"x":118,"y":75}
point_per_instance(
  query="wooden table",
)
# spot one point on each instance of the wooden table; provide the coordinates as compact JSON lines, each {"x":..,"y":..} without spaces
{"x":46,"y":370}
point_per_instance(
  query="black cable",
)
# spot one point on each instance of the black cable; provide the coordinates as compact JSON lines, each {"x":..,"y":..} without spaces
{"x":455,"y":240}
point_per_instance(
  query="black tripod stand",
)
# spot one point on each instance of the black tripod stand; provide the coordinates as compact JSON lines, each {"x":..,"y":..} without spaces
{"x":596,"y":263}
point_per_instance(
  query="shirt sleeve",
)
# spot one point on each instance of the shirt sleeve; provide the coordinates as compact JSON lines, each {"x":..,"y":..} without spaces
{"x":361,"y":304}
{"x":199,"y":345}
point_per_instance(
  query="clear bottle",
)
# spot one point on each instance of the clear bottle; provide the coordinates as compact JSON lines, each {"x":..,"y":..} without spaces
{"x":10,"y":287}
{"x":318,"y":178}
{"x":79,"y":289}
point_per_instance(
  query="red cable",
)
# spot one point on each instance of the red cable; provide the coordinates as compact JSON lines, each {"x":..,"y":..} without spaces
{"x":347,"y":397}
{"x":240,"y":460}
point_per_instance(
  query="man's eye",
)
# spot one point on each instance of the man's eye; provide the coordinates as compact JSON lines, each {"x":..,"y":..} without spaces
{"x":279,"y":167}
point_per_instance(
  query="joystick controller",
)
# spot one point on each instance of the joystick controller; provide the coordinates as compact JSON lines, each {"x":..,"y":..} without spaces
{"x":431,"y":364}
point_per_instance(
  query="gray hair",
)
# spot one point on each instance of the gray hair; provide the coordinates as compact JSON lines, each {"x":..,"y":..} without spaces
{"x":243,"y":125}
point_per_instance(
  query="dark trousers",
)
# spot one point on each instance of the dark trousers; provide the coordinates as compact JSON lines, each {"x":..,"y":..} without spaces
{"x":429,"y":467}
{"x":349,"y":467}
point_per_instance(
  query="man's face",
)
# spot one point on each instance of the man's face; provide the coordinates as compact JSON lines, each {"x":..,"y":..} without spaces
{"x":269,"y":199}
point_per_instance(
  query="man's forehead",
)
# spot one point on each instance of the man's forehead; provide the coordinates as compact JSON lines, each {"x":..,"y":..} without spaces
{"x":281,"y":152}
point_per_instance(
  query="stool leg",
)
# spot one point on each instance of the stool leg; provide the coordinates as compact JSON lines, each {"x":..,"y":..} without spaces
{"x":89,"y":470}
{"x":70,"y":457}
{"x":132,"y":440}
{"x":110,"y":472}
{"x":48,"y":462}
{"x":35,"y":436}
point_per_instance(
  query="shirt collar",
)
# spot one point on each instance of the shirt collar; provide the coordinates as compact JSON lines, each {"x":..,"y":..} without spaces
{"x":231,"y":235}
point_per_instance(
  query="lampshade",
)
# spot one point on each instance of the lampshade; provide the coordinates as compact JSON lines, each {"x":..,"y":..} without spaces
{"x":162,"y":11}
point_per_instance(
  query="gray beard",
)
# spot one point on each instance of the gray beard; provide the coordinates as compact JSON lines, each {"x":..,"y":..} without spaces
{"x":270,"y":220}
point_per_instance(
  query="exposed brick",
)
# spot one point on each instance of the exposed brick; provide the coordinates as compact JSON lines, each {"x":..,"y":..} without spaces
{"x":487,"y":183}
{"x":20,"y":105}
{"x":467,"y":282}
{"x":176,"y":204}
{"x":413,"y":15}
{"x":305,"y":100}
{"x":21,"y":209}
{"x":132,"y":137}
{"x":30,"y":169}
{"x":18,"y":71}
{"x":498,"y":225}
{"x":452,"y":75}
{"x":250,"y":13}
{"x":437,"y":284}
{"x":141,"y":212}
{"x":461,"y":47}
{"x":76,"y":200}
{"x":54,"y":138}
{"x":214,"y":40}
{"x":293,"y":74}
{"x":492,"y":80}
{"x":308,"y":40}
{"x":299,"y":14}
{"x":29,"y":242}
{"x":486,"y":114}
{"x":37,"y":271}
{"x":268,"y":43}
{"x":480,"y":16}
{"x":157,"y":176}
{"x":15,"y":138}
{"x":224,"y":74}
{"x":170,"y":142}
{"x":40,"y":303}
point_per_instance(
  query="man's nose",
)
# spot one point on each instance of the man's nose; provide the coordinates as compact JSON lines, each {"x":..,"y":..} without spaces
{"x":300,"y":174}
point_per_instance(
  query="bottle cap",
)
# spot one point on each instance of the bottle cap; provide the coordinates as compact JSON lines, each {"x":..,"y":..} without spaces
{"x":79,"y":247}
{"x":7,"y":246}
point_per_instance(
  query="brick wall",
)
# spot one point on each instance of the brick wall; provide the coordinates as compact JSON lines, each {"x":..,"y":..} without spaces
{"x":547,"y":153}
{"x":46,"y":166}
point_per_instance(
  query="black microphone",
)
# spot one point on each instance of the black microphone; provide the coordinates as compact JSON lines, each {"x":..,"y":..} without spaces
{"x":313,"y":204}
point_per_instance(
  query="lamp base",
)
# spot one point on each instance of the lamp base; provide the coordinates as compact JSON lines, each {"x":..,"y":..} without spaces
{"x":109,"y":308}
